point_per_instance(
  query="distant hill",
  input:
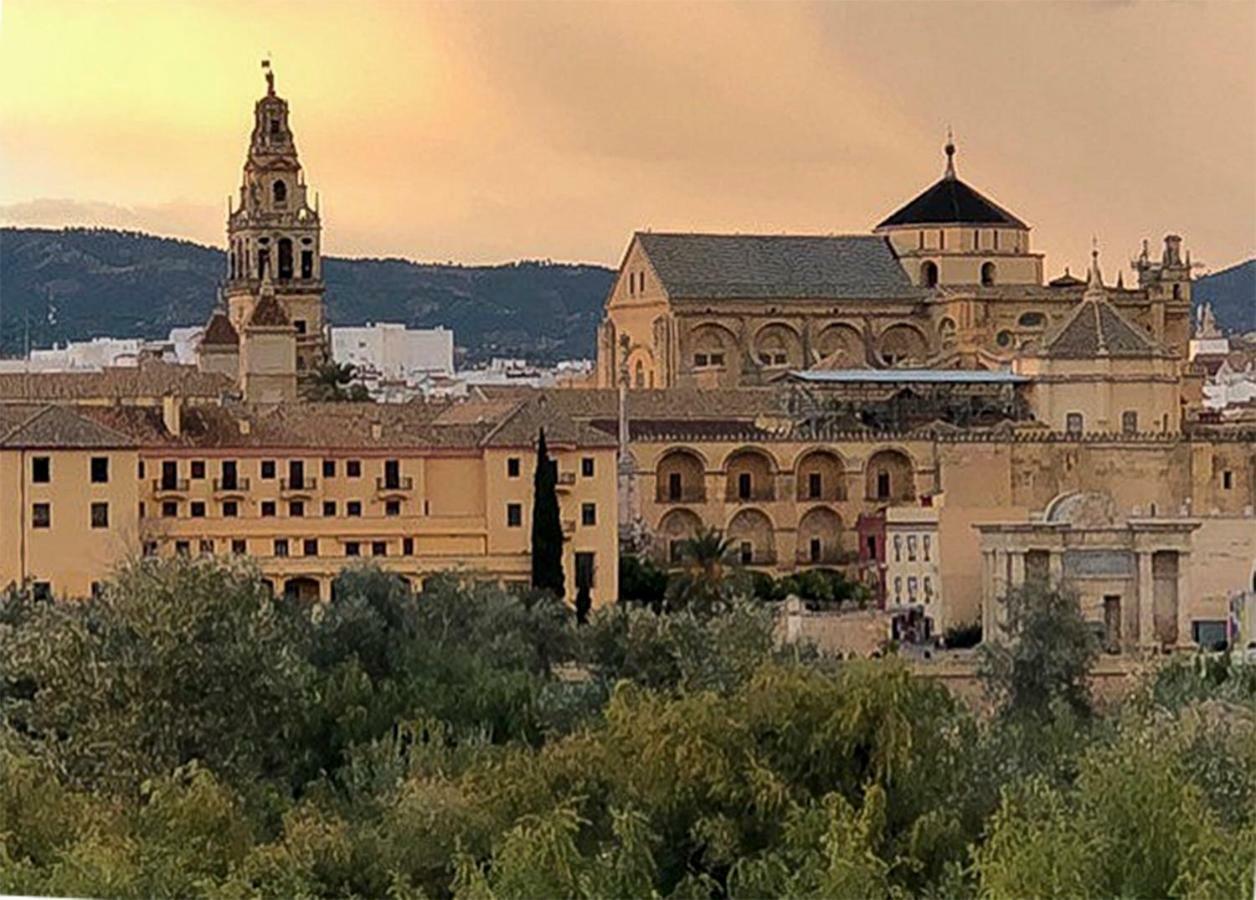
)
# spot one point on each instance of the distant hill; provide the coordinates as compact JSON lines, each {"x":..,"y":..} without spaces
{"x":77,"y":283}
{"x":1232,"y":293}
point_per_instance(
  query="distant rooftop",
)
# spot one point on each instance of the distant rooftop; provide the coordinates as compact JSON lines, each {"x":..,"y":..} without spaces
{"x":907,"y":376}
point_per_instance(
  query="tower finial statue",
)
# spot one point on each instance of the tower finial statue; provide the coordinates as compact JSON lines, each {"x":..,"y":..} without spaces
{"x":270,"y":77}
{"x":950,"y":153}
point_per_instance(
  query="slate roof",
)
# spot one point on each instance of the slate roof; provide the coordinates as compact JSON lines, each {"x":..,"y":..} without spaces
{"x":750,"y":266}
{"x":1095,"y":328}
{"x":220,"y":332}
{"x":952,"y":202}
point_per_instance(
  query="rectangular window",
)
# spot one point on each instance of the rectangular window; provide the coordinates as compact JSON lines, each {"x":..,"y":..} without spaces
{"x":674,"y":485}
{"x":207,"y":547}
{"x":268,"y":508}
{"x":699,"y":360}
{"x":230,"y":475}
{"x":100,"y":469}
{"x":815,"y":486}
{"x":514,"y":515}
{"x":898,"y":548}
{"x":407,"y":546}
{"x":170,"y":475}
{"x":588,"y":514}
{"x":41,"y":469}
{"x":675,"y":551}
{"x":392,"y":508}
{"x":586,"y":467}
{"x":912,"y":584}
{"x":198,"y":468}
{"x":744,"y":485}
{"x":310,"y":547}
{"x":717,"y":359}
{"x":296,"y":474}
{"x":239,"y":546}
{"x":512,"y":467}
{"x":1073,"y":423}
{"x":329,"y":468}
{"x":281,"y":546}
{"x":268,"y":468}
{"x":149,"y":548}
{"x":182,"y":548}
{"x":586,"y":569}
{"x":817,"y":549}
{"x":329,"y":507}
{"x":169,"y":509}
{"x":353,"y":508}
{"x":379,"y":548}
{"x":925,"y":542}
{"x":198,"y":509}
{"x":1227,"y":479}
{"x":392,"y":474}
{"x":746,"y":553}
{"x":898,"y":589}
{"x":230,"y":509}
{"x":42,"y":591}
{"x":928,"y":588}
{"x":911,"y":548}
{"x":351,"y":548}
{"x":296,"y":508}
{"x":1129,"y":422}
{"x":41,"y":515}
{"x":140,"y":469}
{"x":353,"y":468}
{"x":141,"y":509}
{"x":100,"y":515}
{"x":299,"y":325}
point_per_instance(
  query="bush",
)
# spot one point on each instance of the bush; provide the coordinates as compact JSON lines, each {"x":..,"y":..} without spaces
{"x":962,"y":637}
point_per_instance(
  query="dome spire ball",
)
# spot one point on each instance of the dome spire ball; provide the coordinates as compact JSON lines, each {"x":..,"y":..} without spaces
{"x":950,"y":153}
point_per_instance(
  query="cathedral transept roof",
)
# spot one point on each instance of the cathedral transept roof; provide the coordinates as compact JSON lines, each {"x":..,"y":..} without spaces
{"x":952,"y":202}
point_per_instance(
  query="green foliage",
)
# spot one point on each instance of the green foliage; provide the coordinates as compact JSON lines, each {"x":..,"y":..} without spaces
{"x":467,"y":742}
{"x":547,"y":526}
{"x":333,"y":383}
{"x":704,"y":582}
{"x":641,"y":580}
{"x":174,"y":662}
{"x":1046,"y":656}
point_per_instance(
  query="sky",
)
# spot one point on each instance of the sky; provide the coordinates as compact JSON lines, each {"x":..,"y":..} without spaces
{"x":485,"y":132}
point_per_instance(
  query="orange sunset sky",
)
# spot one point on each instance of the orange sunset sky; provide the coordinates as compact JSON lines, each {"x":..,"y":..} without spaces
{"x":492,"y":131}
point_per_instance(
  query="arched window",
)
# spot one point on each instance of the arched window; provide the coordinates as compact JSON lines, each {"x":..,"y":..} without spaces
{"x":987,"y":274}
{"x":281,"y":193}
{"x":929,"y":273}
{"x":285,"y":259}
{"x":639,"y":377}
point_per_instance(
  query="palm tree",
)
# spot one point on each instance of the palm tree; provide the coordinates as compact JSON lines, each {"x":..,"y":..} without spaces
{"x":332,"y":382}
{"x":703,"y":575}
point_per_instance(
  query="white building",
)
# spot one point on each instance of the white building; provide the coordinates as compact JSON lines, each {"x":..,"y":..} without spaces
{"x":912,"y":578}
{"x":392,"y":352}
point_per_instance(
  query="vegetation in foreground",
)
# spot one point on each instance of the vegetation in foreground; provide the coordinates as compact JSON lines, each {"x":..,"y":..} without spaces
{"x":186,"y":735}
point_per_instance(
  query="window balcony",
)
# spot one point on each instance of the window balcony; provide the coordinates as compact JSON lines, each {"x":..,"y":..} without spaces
{"x":230,"y":487}
{"x":391,"y":486}
{"x":565,"y":481}
{"x":169,"y":487}
{"x":297,"y":487}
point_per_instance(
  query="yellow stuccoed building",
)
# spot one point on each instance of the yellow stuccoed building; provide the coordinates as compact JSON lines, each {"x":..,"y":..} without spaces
{"x":302,"y":490}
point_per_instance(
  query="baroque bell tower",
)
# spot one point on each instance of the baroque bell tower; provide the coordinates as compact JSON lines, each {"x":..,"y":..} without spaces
{"x":273,"y":233}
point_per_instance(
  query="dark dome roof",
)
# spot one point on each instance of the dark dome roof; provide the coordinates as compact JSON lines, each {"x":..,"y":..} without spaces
{"x":951,"y":201}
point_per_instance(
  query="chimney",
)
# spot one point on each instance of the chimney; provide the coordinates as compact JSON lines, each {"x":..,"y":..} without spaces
{"x":172,"y":414}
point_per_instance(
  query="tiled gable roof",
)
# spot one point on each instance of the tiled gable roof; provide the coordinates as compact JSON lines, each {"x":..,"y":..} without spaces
{"x":1095,"y":328}
{"x":952,"y":202}
{"x":735,"y":266}
{"x":150,"y":378}
{"x":63,"y":427}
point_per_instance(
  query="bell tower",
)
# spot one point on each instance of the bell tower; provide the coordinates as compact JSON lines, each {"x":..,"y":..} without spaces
{"x":273,"y":232}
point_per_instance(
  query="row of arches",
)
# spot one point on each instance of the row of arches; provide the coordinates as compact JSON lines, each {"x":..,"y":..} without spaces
{"x":285,"y":264}
{"x":778,"y":345}
{"x":752,"y":538}
{"x":751,"y":476}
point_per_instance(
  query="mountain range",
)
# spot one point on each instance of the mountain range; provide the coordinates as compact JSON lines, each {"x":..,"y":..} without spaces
{"x":76,"y":283}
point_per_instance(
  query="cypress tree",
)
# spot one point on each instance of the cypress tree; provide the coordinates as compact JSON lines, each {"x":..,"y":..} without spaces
{"x":547,"y":526}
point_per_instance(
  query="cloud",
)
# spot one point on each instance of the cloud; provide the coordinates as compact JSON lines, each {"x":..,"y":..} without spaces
{"x":179,"y":218}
